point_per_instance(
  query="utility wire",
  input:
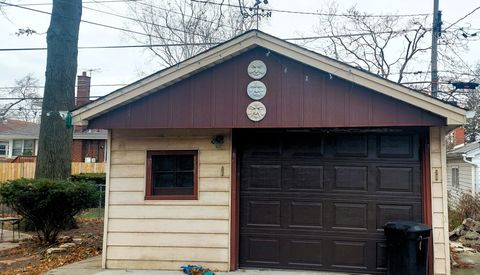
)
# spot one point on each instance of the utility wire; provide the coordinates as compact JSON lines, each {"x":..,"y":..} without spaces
{"x":198,"y":44}
{"x":207,"y":43}
{"x":316,"y":13}
{"x":39,"y":87}
{"x":85,"y":2}
{"x":114,"y":46}
{"x":459,"y":57}
{"x":349,"y":35}
{"x":91,"y":22}
{"x":41,"y":98}
{"x":144,"y":22}
{"x":143,"y":4}
{"x":463,"y":17}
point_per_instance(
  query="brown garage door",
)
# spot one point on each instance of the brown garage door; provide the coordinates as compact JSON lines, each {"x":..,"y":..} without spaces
{"x":318,"y":200}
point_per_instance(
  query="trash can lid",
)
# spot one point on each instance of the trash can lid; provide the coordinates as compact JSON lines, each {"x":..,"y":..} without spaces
{"x":409,"y":229}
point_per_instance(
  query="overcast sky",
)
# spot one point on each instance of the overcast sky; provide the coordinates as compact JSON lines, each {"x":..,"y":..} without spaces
{"x":123,"y":66}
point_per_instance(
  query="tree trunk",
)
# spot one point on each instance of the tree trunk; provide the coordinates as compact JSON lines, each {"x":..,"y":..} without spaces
{"x":55,"y":144}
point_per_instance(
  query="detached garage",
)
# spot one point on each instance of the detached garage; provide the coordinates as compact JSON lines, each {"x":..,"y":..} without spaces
{"x":261,"y":154}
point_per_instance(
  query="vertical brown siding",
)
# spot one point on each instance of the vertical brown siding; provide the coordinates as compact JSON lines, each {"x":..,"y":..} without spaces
{"x":297,"y":96}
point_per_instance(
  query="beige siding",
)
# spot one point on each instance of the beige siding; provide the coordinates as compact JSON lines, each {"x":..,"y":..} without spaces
{"x":165,"y":234}
{"x":167,"y":265}
{"x":438,"y":162}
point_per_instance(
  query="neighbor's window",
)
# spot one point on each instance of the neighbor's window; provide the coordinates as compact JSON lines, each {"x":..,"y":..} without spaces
{"x":455,"y":179}
{"x":171,"y":175}
{"x":22,"y":147}
{"x":3,"y":149}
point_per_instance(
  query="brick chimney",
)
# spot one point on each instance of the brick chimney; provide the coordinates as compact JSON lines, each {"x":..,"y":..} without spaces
{"x":459,"y":136}
{"x":83,"y":90}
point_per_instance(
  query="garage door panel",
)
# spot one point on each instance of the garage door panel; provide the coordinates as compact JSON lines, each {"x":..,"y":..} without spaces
{"x":303,"y":145}
{"x":351,"y":146}
{"x":396,"y":179}
{"x":263,"y":213}
{"x":396,"y":146}
{"x":305,"y":214}
{"x":304,"y":177}
{"x":350,"y":216}
{"x":350,"y":254}
{"x":261,"y":250}
{"x":389,"y":212}
{"x":265,"y":176}
{"x":381,"y":257}
{"x":350,"y":178}
{"x":305,"y":252}
{"x":325,"y":210}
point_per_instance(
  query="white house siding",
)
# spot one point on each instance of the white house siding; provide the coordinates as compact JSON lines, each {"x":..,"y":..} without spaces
{"x":166,"y":234}
{"x":438,"y":163}
{"x":466,"y":175}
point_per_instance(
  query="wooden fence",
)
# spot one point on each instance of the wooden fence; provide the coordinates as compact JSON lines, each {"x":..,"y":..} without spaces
{"x":10,"y":171}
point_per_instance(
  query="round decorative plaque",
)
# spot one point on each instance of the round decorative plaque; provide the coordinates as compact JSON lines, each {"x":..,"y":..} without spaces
{"x":256,"y":90}
{"x":257,"y":69}
{"x":256,"y":111}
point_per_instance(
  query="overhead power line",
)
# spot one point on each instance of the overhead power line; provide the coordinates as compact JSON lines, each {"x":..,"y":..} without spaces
{"x":139,"y":3}
{"x":113,"y":46}
{"x":91,"y":22}
{"x":350,"y":35}
{"x":144,"y":22}
{"x":84,"y":2}
{"x":203,"y":43}
{"x":315,"y":13}
{"x":462,"y":18}
{"x":39,"y":87}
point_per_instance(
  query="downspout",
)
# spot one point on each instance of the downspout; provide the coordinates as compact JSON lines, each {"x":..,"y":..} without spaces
{"x":474,"y":174}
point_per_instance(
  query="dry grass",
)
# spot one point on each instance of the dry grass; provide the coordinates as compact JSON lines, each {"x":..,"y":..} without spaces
{"x":468,"y":206}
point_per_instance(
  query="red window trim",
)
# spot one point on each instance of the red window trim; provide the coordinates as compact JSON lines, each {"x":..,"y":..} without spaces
{"x":148,"y":190}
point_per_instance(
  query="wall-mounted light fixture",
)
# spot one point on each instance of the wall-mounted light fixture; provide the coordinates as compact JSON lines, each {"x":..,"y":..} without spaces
{"x":218,"y":141}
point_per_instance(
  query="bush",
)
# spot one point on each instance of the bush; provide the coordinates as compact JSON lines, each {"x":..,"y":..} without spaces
{"x":48,"y":204}
{"x":468,"y":206}
{"x":97,"y":178}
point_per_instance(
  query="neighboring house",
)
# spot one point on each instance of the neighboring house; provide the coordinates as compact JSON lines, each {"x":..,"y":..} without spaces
{"x":463,"y":170}
{"x":88,"y":145}
{"x":20,"y":138}
{"x":259,"y":153}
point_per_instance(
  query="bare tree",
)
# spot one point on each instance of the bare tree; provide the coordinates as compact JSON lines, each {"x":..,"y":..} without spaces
{"x":22,"y":100}
{"x":391,"y":46}
{"x":194,"y":26}
{"x":384,"y":45}
{"x":472,"y":127}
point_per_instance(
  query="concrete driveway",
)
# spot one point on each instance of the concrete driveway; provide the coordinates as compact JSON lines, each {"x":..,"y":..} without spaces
{"x":93,"y":266}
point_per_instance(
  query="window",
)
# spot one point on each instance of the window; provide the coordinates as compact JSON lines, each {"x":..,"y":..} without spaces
{"x":3,"y":149}
{"x":22,"y":147}
{"x":455,"y":179}
{"x":172,"y":175}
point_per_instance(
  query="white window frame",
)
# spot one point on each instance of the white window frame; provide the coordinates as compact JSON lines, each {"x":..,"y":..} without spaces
{"x":32,"y":150}
{"x":6,"y":149}
{"x":455,"y":176}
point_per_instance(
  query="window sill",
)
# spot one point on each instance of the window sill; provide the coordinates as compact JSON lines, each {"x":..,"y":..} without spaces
{"x":172,"y":197}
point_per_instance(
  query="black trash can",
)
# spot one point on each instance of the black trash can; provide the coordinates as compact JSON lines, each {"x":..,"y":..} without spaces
{"x":407,"y":247}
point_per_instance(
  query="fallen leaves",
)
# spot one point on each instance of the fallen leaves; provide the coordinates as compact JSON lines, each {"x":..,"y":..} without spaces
{"x":31,"y":258}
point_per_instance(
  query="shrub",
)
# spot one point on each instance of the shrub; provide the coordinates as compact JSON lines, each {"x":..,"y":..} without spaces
{"x":467,"y":206}
{"x":48,"y":204}
{"x":97,"y":178}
